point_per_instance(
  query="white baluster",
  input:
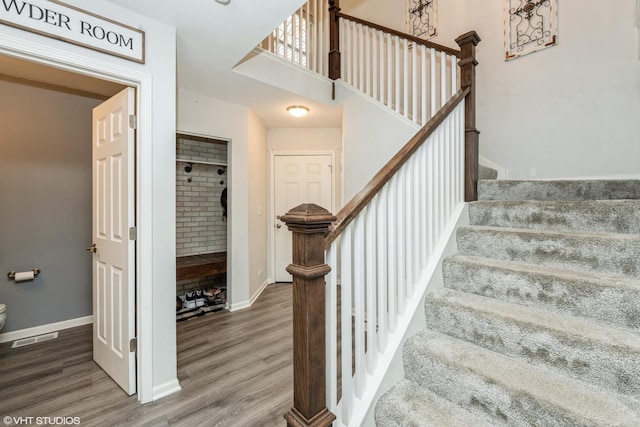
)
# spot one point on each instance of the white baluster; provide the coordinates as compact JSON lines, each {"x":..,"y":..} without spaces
{"x":405,"y":79}
{"x":332,"y":328}
{"x":423,"y":85}
{"x":375,"y":64}
{"x":397,"y":74}
{"x":400,"y":242}
{"x":371,"y":284}
{"x":392,"y":242}
{"x":381,"y":233}
{"x":443,"y":78}
{"x":346,"y":345}
{"x":367,"y":60}
{"x":390,"y":62}
{"x":358,"y":305}
{"x":414,"y":83}
{"x":360,"y":34}
{"x":432,"y":58}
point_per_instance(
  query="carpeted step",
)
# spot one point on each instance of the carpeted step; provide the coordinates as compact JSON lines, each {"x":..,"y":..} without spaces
{"x":511,"y":392}
{"x":409,"y":405}
{"x":602,"y":216}
{"x":610,"y":299}
{"x":558,"y":190}
{"x":485,"y":172}
{"x":604,"y":253}
{"x":598,"y":354}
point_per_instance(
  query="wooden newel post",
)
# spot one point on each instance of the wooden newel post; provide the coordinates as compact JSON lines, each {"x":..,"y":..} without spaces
{"x":334,"y":40}
{"x":309,"y":224}
{"x":467,"y":43}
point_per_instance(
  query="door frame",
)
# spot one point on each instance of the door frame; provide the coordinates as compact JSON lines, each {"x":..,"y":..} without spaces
{"x":272,"y":195}
{"x":142,"y":84}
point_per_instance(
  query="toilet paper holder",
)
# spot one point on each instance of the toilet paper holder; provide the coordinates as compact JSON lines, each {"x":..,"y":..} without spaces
{"x":12,"y":274}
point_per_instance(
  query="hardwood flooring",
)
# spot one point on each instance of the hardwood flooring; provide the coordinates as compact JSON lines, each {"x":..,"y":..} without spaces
{"x":235,"y":369}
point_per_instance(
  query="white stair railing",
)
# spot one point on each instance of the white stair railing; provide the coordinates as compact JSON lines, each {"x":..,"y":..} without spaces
{"x":303,"y":38}
{"x":410,"y":76}
{"x":383,"y":259}
{"x":385,"y":245}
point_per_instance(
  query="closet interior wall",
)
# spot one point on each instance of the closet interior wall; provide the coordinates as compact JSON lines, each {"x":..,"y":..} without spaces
{"x":201,"y":227}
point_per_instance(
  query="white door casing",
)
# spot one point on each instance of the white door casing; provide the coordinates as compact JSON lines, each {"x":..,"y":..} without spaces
{"x":297,"y":179}
{"x":114,"y":254}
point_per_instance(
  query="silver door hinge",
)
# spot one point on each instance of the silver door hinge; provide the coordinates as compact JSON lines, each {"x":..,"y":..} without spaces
{"x":133,"y":233}
{"x":133,"y":121}
{"x":133,"y":345}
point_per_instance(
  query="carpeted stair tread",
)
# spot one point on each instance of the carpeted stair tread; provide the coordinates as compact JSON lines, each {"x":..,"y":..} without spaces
{"x":605,"y":216}
{"x":485,"y":172}
{"x":577,"y":347}
{"x":512,"y":392}
{"x":609,"y":299}
{"x":558,"y":189}
{"x":409,"y":405}
{"x":606,"y":253}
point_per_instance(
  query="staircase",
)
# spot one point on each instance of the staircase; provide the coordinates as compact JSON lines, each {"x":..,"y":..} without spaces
{"x":539,"y":320}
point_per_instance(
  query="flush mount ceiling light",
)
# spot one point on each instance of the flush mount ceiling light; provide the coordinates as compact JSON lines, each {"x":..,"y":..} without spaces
{"x":224,"y":2}
{"x":298,"y":110}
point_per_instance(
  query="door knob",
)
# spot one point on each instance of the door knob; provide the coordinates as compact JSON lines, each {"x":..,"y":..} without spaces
{"x":278,"y":225}
{"x":92,"y":248}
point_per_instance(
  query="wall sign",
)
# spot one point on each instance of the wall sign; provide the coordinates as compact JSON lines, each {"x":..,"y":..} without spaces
{"x":57,"y":20}
{"x":422,"y":18}
{"x":530,"y":25}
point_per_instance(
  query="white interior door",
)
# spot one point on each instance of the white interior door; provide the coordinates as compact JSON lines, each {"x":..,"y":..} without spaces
{"x":297,"y":179}
{"x":113,"y":251}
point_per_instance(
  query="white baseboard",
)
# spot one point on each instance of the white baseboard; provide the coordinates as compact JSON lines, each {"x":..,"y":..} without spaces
{"x":259,"y":292}
{"x":248,"y":303}
{"x":166,"y":389}
{"x":45,"y":329}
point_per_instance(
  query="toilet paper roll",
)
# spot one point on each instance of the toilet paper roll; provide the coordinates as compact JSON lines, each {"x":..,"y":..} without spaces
{"x":24,"y":275}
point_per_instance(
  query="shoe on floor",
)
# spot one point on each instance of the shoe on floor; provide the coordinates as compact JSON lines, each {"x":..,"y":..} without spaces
{"x":190,"y":300}
{"x":201,"y":300}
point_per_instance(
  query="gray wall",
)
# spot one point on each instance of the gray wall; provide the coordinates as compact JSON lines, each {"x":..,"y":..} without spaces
{"x":45,"y":203}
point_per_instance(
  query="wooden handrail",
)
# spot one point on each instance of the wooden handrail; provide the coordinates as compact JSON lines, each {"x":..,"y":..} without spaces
{"x":419,"y":41}
{"x":349,"y":212}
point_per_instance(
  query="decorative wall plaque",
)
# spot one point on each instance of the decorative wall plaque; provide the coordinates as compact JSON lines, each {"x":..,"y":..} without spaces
{"x":530,"y":25}
{"x":422,"y":18}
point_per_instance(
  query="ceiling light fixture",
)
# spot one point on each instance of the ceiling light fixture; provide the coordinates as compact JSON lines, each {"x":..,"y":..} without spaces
{"x":298,"y":110}
{"x":224,"y":2}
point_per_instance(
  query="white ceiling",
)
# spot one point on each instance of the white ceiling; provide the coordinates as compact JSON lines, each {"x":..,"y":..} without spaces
{"x":211,"y":39}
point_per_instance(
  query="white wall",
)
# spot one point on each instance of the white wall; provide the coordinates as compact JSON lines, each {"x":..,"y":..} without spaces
{"x":156,"y":176}
{"x":567,"y":111}
{"x":372,"y":134}
{"x":211,"y":117}
{"x":258,"y":205}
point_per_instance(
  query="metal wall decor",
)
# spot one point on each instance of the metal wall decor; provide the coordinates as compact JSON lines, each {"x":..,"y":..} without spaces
{"x":422,"y":18}
{"x":530,"y":25}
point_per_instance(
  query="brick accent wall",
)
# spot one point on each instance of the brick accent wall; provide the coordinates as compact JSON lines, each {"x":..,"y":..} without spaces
{"x":200,"y":225}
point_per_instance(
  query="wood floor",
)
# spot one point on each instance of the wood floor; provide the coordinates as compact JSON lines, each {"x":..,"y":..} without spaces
{"x":235,"y":369}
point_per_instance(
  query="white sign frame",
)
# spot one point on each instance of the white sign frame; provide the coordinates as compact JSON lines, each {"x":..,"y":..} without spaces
{"x":54,"y":19}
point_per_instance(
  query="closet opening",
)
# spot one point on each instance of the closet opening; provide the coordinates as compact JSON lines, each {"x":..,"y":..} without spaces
{"x":201,"y":226}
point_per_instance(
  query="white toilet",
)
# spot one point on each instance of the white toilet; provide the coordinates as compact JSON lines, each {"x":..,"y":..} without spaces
{"x":3,"y":315}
